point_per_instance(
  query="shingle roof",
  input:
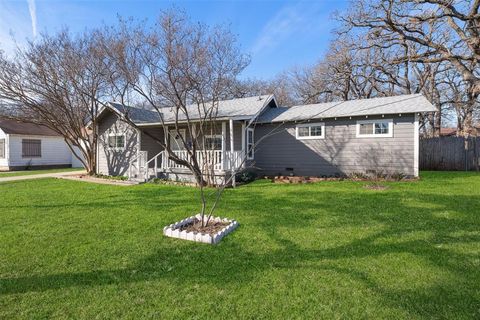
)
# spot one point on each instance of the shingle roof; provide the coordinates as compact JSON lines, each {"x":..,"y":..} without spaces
{"x":16,"y":127}
{"x":375,"y":106}
{"x":235,"y":108}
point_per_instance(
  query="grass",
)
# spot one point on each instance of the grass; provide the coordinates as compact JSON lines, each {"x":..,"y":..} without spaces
{"x":326,"y":250}
{"x":6,"y":174}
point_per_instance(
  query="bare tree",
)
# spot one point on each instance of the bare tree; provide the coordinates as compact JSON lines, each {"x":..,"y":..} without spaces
{"x":180,"y":70}
{"x":280,"y":86}
{"x":439,"y":30}
{"x":57,"y":81}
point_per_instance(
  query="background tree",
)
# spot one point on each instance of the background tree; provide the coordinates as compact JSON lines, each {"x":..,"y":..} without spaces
{"x":431,"y":31}
{"x":58,"y":81}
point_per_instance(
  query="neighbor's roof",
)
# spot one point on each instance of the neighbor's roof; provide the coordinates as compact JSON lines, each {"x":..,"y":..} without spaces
{"x":375,"y":106}
{"x":17,"y":127}
{"x":242,"y":108}
{"x":448,"y":131}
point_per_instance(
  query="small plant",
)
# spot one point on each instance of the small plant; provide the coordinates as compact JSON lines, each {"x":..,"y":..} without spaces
{"x":246,"y":177}
{"x":103,"y":176}
{"x":357,"y":176}
{"x":158,"y":181}
{"x":376,"y":174}
{"x":398,"y":176}
{"x":28,"y":166}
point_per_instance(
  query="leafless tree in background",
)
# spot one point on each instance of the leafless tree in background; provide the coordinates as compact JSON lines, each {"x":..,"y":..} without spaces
{"x":430,"y":32}
{"x":280,"y":86}
{"x":57,"y":81}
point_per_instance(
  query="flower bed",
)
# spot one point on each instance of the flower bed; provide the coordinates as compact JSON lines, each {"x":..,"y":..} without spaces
{"x":185,"y":229}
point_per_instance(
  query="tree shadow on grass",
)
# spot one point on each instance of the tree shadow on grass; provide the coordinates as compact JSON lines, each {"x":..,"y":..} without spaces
{"x":231,"y":262}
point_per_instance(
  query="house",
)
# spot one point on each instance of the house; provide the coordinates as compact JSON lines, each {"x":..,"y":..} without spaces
{"x":326,"y":139}
{"x":448,"y":132}
{"x":30,"y":146}
{"x":452,"y":132}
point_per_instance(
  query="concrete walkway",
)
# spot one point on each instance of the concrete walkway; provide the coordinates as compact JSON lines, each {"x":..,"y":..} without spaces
{"x":42,"y":175}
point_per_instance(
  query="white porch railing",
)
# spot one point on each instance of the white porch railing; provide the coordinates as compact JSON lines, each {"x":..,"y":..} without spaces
{"x":220,"y":160}
{"x":137,"y":167}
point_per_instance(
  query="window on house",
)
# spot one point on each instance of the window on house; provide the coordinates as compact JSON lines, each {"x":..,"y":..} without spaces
{"x":310,"y":131}
{"x":116,"y":141}
{"x":213,"y":142}
{"x":250,"y":144}
{"x":375,"y":128}
{"x":31,"y":148}
{"x":2,"y":148}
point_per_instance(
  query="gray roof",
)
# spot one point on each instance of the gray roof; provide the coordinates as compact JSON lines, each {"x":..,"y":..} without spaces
{"x":376,"y":106}
{"x":17,"y":127}
{"x":242,"y":108}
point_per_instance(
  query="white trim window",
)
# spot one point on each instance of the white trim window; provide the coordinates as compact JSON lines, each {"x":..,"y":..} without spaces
{"x":213,"y":142}
{"x":375,"y":128}
{"x":310,"y":131}
{"x":250,"y":144}
{"x":116,"y":141}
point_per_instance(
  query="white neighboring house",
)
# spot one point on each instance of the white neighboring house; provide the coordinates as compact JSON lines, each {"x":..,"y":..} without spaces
{"x":29,"y":146}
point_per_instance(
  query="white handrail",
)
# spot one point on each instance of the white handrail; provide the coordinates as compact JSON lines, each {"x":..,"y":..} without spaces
{"x":155,"y":167}
{"x":221,"y":161}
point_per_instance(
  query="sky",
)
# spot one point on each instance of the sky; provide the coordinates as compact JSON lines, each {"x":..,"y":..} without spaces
{"x":278,"y":35}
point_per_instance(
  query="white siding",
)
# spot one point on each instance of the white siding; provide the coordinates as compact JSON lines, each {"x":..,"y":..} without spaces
{"x":116,"y":162}
{"x":76,"y":163}
{"x":4,"y":161}
{"x":54,"y":151}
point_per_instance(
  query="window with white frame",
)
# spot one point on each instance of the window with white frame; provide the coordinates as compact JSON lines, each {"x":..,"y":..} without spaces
{"x":213,"y":142}
{"x":310,"y":131}
{"x":31,"y":148}
{"x":375,"y":128}
{"x":2,"y":148}
{"x":250,"y":143}
{"x":116,"y":141}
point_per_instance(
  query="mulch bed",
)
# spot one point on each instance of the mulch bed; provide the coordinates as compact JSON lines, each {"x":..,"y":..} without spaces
{"x":306,"y":179}
{"x":94,"y":179}
{"x":300,"y":179}
{"x":212,"y":227}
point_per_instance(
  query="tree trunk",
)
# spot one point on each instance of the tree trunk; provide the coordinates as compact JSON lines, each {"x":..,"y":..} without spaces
{"x":437,"y":124}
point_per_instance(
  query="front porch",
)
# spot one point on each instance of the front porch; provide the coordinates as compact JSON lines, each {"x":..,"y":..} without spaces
{"x":221,"y":152}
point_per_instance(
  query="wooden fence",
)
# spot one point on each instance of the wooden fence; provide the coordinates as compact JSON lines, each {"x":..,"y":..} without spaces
{"x":450,"y":153}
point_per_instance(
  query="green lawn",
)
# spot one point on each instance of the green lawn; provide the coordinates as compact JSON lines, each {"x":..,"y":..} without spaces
{"x":327,"y":250}
{"x":4,"y":174}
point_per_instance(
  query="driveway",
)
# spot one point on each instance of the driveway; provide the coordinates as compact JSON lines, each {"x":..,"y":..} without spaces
{"x":42,"y":175}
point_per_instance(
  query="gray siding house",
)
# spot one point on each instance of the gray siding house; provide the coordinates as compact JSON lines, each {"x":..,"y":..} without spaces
{"x":327,"y":139}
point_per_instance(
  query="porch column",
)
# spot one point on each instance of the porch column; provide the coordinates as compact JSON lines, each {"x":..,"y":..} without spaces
{"x":139,"y":147}
{"x":232,"y":169}
{"x":224,"y":142}
{"x":165,"y":153}
{"x":243,"y":145}
{"x":231,"y":135}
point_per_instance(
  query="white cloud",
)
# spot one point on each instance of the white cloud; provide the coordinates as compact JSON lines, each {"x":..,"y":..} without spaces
{"x":33,"y":16}
{"x":15,"y":26}
{"x":291,"y":20}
